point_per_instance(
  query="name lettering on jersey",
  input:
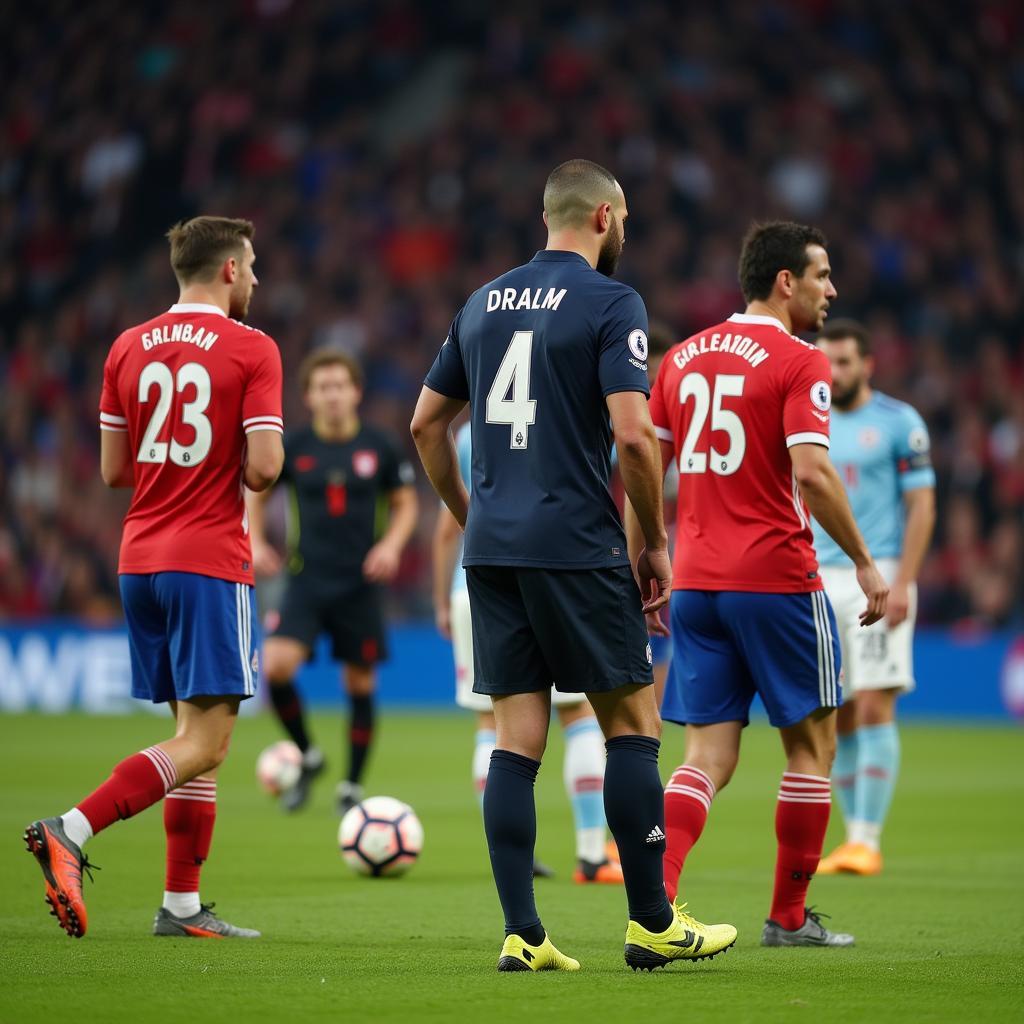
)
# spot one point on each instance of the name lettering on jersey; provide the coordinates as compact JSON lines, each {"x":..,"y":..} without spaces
{"x":736,"y":344}
{"x":186,"y":333}
{"x":528,"y":298}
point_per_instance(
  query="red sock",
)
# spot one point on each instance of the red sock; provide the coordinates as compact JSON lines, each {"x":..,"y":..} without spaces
{"x":688,"y":797}
{"x":189,"y":814}
{"x":135,"y":784}
{"x":801,"y":818}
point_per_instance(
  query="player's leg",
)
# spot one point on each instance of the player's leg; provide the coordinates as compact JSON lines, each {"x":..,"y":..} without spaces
{"x":283,"y":654}
{"x":712,"y":753}
{"x":190,"y":812}
{"x":710,"y":691}
{"x":878,"y":761}
{"x":510,"y":669}
{"x":355,"y":623}
{"x":360,"y":685}
{"x":846,"y":598}
{"x":583,"y":775}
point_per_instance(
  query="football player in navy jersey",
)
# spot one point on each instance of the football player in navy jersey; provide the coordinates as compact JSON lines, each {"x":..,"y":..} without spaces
{"x":552,"y":359}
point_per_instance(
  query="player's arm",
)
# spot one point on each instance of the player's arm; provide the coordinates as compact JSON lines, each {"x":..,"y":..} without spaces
{"x":640,"y":465}
{"x":823,"y":491}
{"x":382,"y":560}
{"x":444,"y":551}
{"x":264,"y":458}
{"x":265,"y":559}
{"x":117,"y":467}
{"x":917,"y":536}
{"x":431,"y":430}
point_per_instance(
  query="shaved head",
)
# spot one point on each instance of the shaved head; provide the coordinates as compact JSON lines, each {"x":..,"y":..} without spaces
{"x":574,"y":190}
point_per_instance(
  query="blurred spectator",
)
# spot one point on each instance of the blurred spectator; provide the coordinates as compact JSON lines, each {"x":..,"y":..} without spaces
{"x":394,"y":161}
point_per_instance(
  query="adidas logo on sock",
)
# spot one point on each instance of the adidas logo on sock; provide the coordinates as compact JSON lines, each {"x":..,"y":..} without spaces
{"x":655,"y":835}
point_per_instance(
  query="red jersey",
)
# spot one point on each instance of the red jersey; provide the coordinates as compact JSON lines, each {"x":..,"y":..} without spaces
{"x":732,"y":400}
{"x":187,"y":387}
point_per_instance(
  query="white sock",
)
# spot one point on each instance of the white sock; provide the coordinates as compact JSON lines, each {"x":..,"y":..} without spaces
{"x":76,"y":827}
{"x":182,"y":904}
{"x":583,"y":772}
{"x":866,"y":833}
{"x":482,"y":750}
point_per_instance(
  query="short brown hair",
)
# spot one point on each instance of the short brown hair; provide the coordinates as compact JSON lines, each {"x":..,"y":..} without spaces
{"x":199,"y":246}
{"x":840,"y":330}
{"x":574,"y":190}
{"x":321,"y":357}
{"x":771,"y":247}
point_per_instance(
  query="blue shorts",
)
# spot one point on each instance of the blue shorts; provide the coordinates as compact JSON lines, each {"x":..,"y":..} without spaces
{"x":661,"y":649}
{"x":190,"y":636}
{"x":730,"y":645}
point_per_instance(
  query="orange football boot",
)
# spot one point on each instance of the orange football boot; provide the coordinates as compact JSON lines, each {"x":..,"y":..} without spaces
{"x":851,"y":859}
{"x":608,"y":873}
{"x":62,"y":863}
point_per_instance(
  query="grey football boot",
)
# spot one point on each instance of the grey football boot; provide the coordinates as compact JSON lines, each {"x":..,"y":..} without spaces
{"x":204,"y":925}
{"x":811,"y":933}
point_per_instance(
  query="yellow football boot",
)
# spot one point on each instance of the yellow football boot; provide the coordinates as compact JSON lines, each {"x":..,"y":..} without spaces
{"x":685,"y":939}
{"x":517,"y":955}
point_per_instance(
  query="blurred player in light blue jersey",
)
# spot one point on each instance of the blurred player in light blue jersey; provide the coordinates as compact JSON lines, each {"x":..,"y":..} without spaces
{"x":583,"y":768}
{"x":880,"y":447}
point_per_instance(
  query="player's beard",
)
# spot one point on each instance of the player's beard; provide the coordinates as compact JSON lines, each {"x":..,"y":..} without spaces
{"x":238,"y":304}
{"x":845,"y":397}
{"x":611,"y":250}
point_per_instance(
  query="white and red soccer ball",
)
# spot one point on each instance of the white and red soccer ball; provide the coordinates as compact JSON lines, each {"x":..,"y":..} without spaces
{"x":279,"y":766}
{"x":380,"y":836}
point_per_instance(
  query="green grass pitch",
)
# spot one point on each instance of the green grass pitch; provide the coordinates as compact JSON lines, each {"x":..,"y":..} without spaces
{"x":940,"y":935}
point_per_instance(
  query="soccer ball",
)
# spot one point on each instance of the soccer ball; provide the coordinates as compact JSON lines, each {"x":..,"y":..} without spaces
{"x":380,"y":836}
{"x":279,"y":766}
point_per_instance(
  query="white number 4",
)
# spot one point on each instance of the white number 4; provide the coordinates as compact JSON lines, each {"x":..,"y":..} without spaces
{"x":519,"y":411}
{"x":695,"y":386}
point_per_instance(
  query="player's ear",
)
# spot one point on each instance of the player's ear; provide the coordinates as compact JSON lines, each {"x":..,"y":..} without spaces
{"x":604,"y":217}
{"x":784,"y":282}
{"x":544,"y":217}
{"x":229,"y":270}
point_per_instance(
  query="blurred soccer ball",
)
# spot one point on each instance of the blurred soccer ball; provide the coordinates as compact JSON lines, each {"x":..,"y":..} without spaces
{"x":279,"y":766}
{"x":380,"y":836}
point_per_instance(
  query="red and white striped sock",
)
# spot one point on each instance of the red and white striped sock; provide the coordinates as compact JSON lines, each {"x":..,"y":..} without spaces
{"x":190,"y":812}
{"x":136,"y":783}
{"x":801,"y":818}
{"x":688,"y":797}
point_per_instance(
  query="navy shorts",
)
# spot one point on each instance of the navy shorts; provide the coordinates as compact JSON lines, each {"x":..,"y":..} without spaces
{"x":730,"y":645}
{"x":190,"y":636}
{"x":582,"y":630}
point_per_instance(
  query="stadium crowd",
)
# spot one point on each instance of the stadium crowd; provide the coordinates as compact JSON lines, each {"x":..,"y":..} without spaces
{"x":392,"y":156}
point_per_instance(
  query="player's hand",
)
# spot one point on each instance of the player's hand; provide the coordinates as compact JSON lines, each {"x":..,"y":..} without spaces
{"x":656,"y":625}
{"x":265,"y":560}
{"x":381,"y":563}
{"x":443,"y":619}
{"x":876,"y":590}
{"x":654,"y":572}
{"x":898,"y":608}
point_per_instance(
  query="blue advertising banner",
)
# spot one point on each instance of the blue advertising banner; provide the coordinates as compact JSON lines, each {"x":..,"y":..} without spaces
{"x":56,"y":666}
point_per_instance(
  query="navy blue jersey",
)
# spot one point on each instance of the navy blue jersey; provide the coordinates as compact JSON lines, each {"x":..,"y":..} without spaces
{"x":535,"y":352}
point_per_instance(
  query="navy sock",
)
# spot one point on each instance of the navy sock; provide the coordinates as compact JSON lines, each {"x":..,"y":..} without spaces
{"x":510,"y":821}
{"x":360,"y":736}
{"x":288,"y":705}
{"x":634,"y":804}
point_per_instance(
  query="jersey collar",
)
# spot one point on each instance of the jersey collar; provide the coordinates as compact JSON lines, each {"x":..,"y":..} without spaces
{"x":558,"y":256}
{"x":754,"y":318}
{"x":196,"y":307}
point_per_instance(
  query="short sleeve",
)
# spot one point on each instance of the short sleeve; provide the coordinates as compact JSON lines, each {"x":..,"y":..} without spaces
{"x":622,"y":346}
{"x":657,"y":405}
{"x":808,"y":400}
{"x":913,"y":452}
{"x":112,"y":415}
{"x":261,"y":403}
{"x":397,"y":469}
{"x":448,"y":374}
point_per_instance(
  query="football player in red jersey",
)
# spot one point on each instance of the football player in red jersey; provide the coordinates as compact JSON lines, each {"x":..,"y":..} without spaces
{"x":191,"y":410}
{"x":743,"y":409}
